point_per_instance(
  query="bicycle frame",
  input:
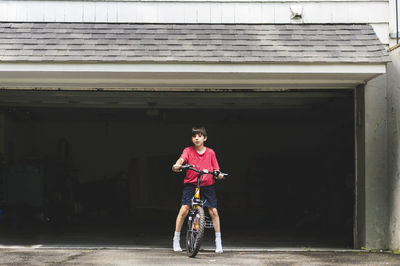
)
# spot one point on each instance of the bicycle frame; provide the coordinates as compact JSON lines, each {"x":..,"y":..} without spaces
{"x":195,"y":201}
{"x":196,"y":198}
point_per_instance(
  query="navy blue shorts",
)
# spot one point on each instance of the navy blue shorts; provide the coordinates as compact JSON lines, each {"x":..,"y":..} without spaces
{"x":207,"y":195}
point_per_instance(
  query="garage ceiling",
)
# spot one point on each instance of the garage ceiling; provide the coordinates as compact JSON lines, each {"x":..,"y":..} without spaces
{"x":169,"y":100}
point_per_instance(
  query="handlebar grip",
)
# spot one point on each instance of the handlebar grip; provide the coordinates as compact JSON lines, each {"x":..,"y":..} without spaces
{"x":186,"y":166}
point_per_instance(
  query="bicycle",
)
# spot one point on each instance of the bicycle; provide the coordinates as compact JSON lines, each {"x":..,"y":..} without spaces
{"x":197,"y":221}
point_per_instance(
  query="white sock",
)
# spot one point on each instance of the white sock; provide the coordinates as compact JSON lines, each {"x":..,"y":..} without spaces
{"x":176,"y":241}
{"x":218,"y":243}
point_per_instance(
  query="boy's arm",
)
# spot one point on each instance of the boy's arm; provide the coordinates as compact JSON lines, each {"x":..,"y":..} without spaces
{"x":183,"y":158}
{"x":215,"y":164}
{"x":176,"y":167}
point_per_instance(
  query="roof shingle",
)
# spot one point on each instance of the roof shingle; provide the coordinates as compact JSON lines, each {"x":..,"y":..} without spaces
{"x":224,"y":43}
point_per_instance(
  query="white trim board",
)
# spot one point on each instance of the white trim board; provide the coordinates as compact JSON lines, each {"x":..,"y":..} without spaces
{"x":186,"y":76}
{"x":198,"y":68}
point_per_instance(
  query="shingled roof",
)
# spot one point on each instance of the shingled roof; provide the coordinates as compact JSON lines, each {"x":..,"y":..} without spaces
{"x":213,"y":43}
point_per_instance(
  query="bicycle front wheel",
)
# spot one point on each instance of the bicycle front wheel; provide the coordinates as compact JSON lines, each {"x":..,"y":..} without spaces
{"x":195,"y":231}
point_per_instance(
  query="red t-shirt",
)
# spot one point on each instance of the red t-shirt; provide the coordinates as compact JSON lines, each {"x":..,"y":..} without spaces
{"x":207,"y":160}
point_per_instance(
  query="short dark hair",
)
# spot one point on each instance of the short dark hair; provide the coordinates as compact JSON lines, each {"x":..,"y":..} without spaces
{"x":199,"y":130}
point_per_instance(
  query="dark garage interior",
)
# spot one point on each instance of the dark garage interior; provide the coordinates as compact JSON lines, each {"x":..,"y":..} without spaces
{"x":95,"y":167}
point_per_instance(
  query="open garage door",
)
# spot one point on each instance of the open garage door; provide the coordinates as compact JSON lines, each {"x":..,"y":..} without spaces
{"x":95,"y":166}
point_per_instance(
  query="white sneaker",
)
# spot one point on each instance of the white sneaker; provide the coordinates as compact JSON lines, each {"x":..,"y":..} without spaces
{"x":218,"y":246}
{"x":177,"y":245}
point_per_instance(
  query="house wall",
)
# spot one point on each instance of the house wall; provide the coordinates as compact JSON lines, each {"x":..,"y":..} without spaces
{"x":393,"y":120}
{"x":376,"y":165}
{"x":375,"y":12}
{"x":382,"y":167}
{"x":392,"y":21}
{"x":393,"y":116}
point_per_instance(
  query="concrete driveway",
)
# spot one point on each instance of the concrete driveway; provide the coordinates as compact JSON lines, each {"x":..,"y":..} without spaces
{"x":115,"y":256}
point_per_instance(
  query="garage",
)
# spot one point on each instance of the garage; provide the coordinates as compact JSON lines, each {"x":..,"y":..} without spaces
{"x":96,"y":170}
{"x":94,"y":115}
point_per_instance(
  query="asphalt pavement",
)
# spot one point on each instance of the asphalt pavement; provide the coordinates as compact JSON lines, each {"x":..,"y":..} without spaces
{"x":162,"y":256}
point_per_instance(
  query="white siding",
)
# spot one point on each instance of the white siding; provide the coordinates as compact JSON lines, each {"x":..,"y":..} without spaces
{"x":203,"y":11}
{"x":195,"y":11}
{"x":392,"y":20}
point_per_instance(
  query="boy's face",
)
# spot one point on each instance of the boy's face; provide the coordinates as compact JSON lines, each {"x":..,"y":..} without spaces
{"x":198,"y":140}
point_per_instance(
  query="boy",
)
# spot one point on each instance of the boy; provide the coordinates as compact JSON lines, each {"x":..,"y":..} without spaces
{"x":204,"y":158}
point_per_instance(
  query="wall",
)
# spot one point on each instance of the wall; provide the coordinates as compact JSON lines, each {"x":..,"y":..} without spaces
{"x":393,"y":113}
{"x":382,"y":171}
{"x":375,"y":12}
{"x":376,"y":165}
{"x":392,"y":21}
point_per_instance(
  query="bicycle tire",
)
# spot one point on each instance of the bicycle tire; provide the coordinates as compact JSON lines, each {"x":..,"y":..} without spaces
{"x":194,"y":237}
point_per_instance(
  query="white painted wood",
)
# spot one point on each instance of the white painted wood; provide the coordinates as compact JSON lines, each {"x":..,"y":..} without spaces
{"x":74,"y":12}
{"x":380,"y":10}
{"x":60,"y":12}
{"x":34,"y":11}
{"x":126,"y":14}
{"x":190,"y":15}
{"x":228,"y":13}
{"x":112,"y":15}
{"x":206,"y":11}
{"x":203,"y":13}
{"x":199,"y":68}
{"x":187,"y":76}
{"x":49,"y":11}
{"x":382,"y":30}
{"x":101,"y":12}
{"x":248,"y":13}
{"x":3,"y":9}
{"x":267,"y":13}
{"x":216,"y":13}
{"x":21,"y":12}
{"x":89,"y":11}
{"x":168,"y":12}
{"x":148,"y":77}
{"x":282,"y":13}
{"x":359,"y":14}
{"x":343,"y":15}
{"x":317,"y":12}
{"x":392,"y":21}
{"x":10,"y":13}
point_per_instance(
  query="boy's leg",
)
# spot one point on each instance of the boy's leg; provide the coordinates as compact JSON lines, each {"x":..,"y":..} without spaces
{"x":183,"y":212}
{"x":215,"y":218}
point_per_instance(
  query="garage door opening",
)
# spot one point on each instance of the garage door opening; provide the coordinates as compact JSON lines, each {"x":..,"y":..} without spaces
{"x":99,"y":170}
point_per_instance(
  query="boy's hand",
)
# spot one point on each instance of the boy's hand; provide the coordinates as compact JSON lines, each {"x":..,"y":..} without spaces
{"x":177,"y":168}
{"x":218,"y":175}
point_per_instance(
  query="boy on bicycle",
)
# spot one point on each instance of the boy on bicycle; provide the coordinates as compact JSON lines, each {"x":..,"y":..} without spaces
{"x":204,"y":158}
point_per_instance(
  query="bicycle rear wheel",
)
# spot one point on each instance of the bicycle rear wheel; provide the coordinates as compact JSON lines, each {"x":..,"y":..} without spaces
{"x":195,"y":232}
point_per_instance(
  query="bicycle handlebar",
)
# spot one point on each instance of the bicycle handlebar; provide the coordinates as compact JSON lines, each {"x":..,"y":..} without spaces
{"x":204,"y":171}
